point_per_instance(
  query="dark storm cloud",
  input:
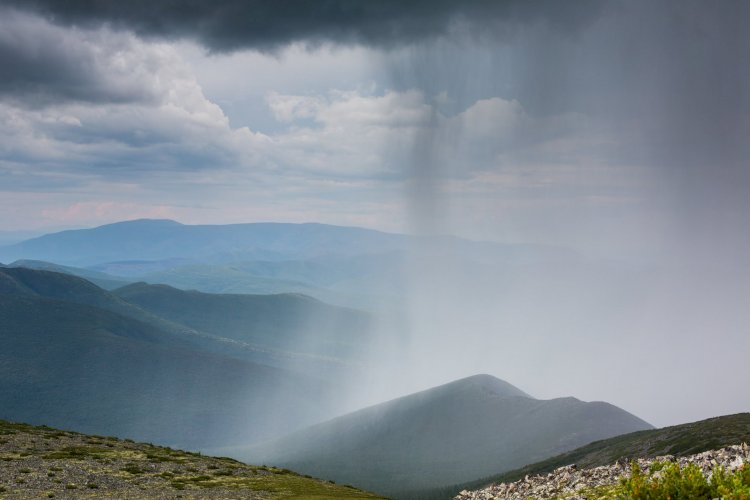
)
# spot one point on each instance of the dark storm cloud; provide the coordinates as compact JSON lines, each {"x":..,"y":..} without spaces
{"x":42,"y":64}
{"x":268,"y":24}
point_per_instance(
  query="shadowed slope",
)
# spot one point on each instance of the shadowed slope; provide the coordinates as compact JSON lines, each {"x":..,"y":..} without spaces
{"x":76,"y":356}
{"x":284,"y":321}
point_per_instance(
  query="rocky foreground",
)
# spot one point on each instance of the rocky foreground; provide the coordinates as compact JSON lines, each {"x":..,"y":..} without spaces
{"x":572,"y":483}
{"x":41,"y":462}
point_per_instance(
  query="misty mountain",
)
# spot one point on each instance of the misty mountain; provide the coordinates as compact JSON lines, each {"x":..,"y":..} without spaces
{"x":164,"y":239}
{"x":78,"y":356}
{"x":358,"y":280}
{"x":290,"y":322}
{"x":449,"y":434}
{"x":85,"y":368}
{"x":66,"y":287}
{"x":286,"y":331}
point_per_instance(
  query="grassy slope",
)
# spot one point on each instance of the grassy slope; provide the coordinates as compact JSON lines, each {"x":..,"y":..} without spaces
{"x":679,"y":440}
{"x":38,"y":462}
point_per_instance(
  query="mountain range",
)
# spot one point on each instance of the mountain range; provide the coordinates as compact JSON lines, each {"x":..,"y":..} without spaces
{"x":154,"y":240}
{"x":144,"y":329}
{"x":77,"y":356}
{"x":349,"y":266}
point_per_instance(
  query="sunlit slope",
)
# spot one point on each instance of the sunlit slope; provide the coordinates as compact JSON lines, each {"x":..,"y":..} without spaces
{"x":444,"y":435}
{"x":75,"y":356}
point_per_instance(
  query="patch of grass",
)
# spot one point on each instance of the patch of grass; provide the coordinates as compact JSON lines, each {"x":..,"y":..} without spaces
{"x":134,"y":469}
{"x":160,"y":458}
{"x":77,"y":453}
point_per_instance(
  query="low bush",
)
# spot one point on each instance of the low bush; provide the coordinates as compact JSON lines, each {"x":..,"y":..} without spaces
{"x":667,"y":481}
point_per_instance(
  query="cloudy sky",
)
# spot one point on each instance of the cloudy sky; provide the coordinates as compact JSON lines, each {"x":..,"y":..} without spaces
{"x":607,"y":126}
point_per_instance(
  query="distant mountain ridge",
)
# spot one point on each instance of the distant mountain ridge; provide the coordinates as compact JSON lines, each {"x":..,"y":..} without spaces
{"x":444,"y":435}
{"x":100,"y":279}
{"x":147,"y":239}
{"x":281,"y":321}
{"x":348,"y":266}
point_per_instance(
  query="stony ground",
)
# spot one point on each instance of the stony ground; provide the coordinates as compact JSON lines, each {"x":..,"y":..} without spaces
{"x":572,"y":483}
{"x":40,"y":462}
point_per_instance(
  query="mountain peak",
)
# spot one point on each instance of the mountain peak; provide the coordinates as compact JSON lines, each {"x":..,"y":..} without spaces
{"x":144,"y":223}
{"x":481,"y":383}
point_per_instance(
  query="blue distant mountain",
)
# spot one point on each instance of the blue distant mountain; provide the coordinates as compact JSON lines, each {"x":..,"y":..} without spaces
{"x":349,"y":266}
{"x":149,"y":240}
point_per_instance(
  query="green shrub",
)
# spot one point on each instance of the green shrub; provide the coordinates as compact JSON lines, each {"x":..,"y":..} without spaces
{"x":666,"y":481}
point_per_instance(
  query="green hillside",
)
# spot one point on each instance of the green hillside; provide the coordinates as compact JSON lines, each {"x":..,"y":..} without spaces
{"x":42,"y":462}
{"x":678,"y":440}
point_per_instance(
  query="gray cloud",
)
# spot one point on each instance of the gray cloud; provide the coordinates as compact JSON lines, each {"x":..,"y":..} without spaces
{"x":41,"y":64}
{"x":665,"y":84}
{"x":262,"y":24}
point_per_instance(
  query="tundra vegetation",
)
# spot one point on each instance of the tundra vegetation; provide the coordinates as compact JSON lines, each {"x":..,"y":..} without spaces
{"x":42,"y":462}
